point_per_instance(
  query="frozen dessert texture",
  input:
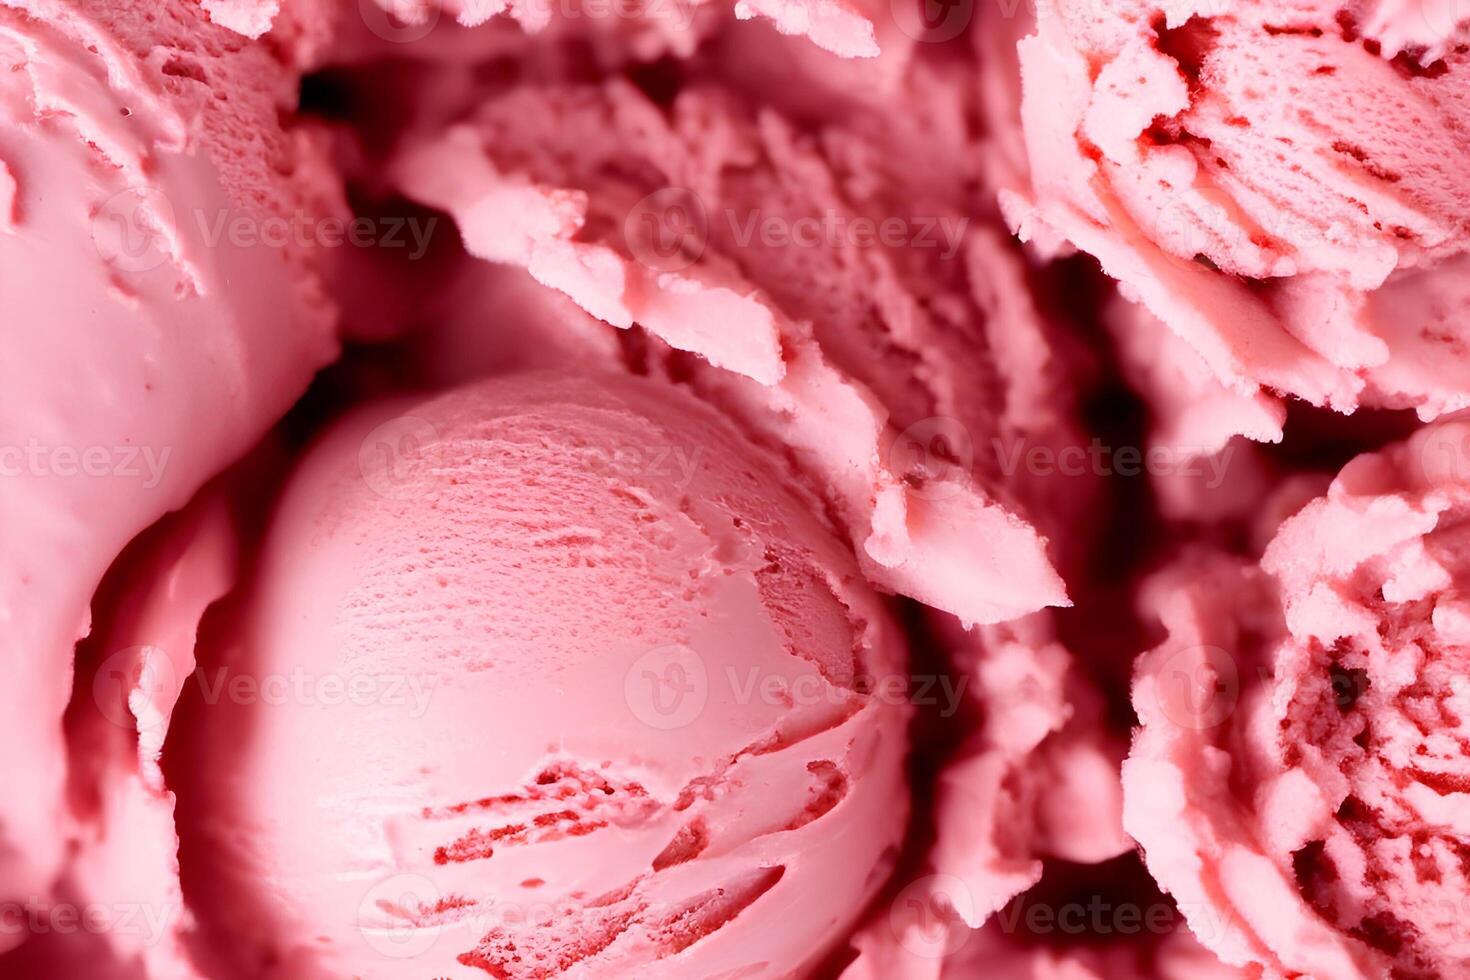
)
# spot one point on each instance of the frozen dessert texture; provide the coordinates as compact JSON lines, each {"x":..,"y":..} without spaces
{"x":145,"y":346}
{"x":1280,"y":190}
{"x":626,"y":706}
{"x":607,"y":31}
{"x":998,"y":951}
{"x":902,"y":370}
{"x":132,"y":671}
{"x":1422,"y":31}
{"x":941,"y":340}
{"x":547,"y":636}
{"x":1077,"y":923}
{"x":1204,"y":464}
{"x":844,"y":27}
{"x":1032,"y":779}
{"x":1040,"y":777}
{"x":1194,"y":411}
{"x":1298,"y":783}
{"x":929,"y":358}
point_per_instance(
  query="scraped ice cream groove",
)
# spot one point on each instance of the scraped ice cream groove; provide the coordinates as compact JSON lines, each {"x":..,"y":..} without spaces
{"x":621,"y":532}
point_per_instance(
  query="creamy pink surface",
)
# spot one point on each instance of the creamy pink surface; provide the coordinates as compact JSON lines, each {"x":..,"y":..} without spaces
{"x":1281,"y":194}
{"x":900,"y":376}
{"x":1299,"y":781}
{"x":575,"y":664}
{"x":1038,"y":779}
{"x":125,"y":857}
{"x":994,"y":952}
{"x":1205,"y":466}
{"x":694,"y":767}
{"x":142,"y":354}
{"x":844,"y":27}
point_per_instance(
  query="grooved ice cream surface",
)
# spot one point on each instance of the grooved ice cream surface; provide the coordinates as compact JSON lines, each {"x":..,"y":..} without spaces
{"x":694,"y":768}
{"x":1282,"y":186}
{"x":144,"y":348}
{"x":712,"y":551}
{"x":733,"y":232}
{"x":1299,"y":781}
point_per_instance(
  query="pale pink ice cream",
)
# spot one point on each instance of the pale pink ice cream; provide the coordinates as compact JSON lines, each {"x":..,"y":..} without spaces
{"x":132,"y":670}
{"x":1037,"y":780}
{"x":632,"y":707}
{"x":995,"y":952}
{"x":1286,"y":194}
{"x":146,"y":344}
{"x":574,"y":662}
{"x":905,"y":372}
{"x":640,"y":30}
{"x":848,"y":28}
{"x":1299,"y":784}
{"x":928,"y":362}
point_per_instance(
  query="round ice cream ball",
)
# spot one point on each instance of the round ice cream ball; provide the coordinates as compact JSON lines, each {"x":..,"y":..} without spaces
{"x":548,"y":676}
{"x":1301,"y":782}
{"x":151,"y":330}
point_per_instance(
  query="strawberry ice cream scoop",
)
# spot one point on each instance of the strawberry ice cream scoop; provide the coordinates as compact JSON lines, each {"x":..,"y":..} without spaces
{"x":150,"y":334}
{"x":572,"y":680}
{"x":1301,"y":783}
{"x":1282,"y":189}
{"x":899,"y":371}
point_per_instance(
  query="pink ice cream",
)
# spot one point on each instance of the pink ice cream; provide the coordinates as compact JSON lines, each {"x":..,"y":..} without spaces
{"x":1299,"y":783}
{"x":132,"y":671}
{"x":1282,"y":191}
{"x":665,"y":577}
{"x":694,"y":768}
{"x":994,"y":951}
{"x":922,"y":368}
{"x":845,"y":27}
{"x":146,"y":344}
{"x":1038,"y":779}
{"x":903,"y":371}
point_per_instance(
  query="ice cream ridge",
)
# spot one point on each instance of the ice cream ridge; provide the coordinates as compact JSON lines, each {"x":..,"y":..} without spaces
{"x":667,"y":569}
{"x":624,"y":707}
{"x":141,"y":354}
{"x":1299,"y":782}
{"x":1282,"y":185}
